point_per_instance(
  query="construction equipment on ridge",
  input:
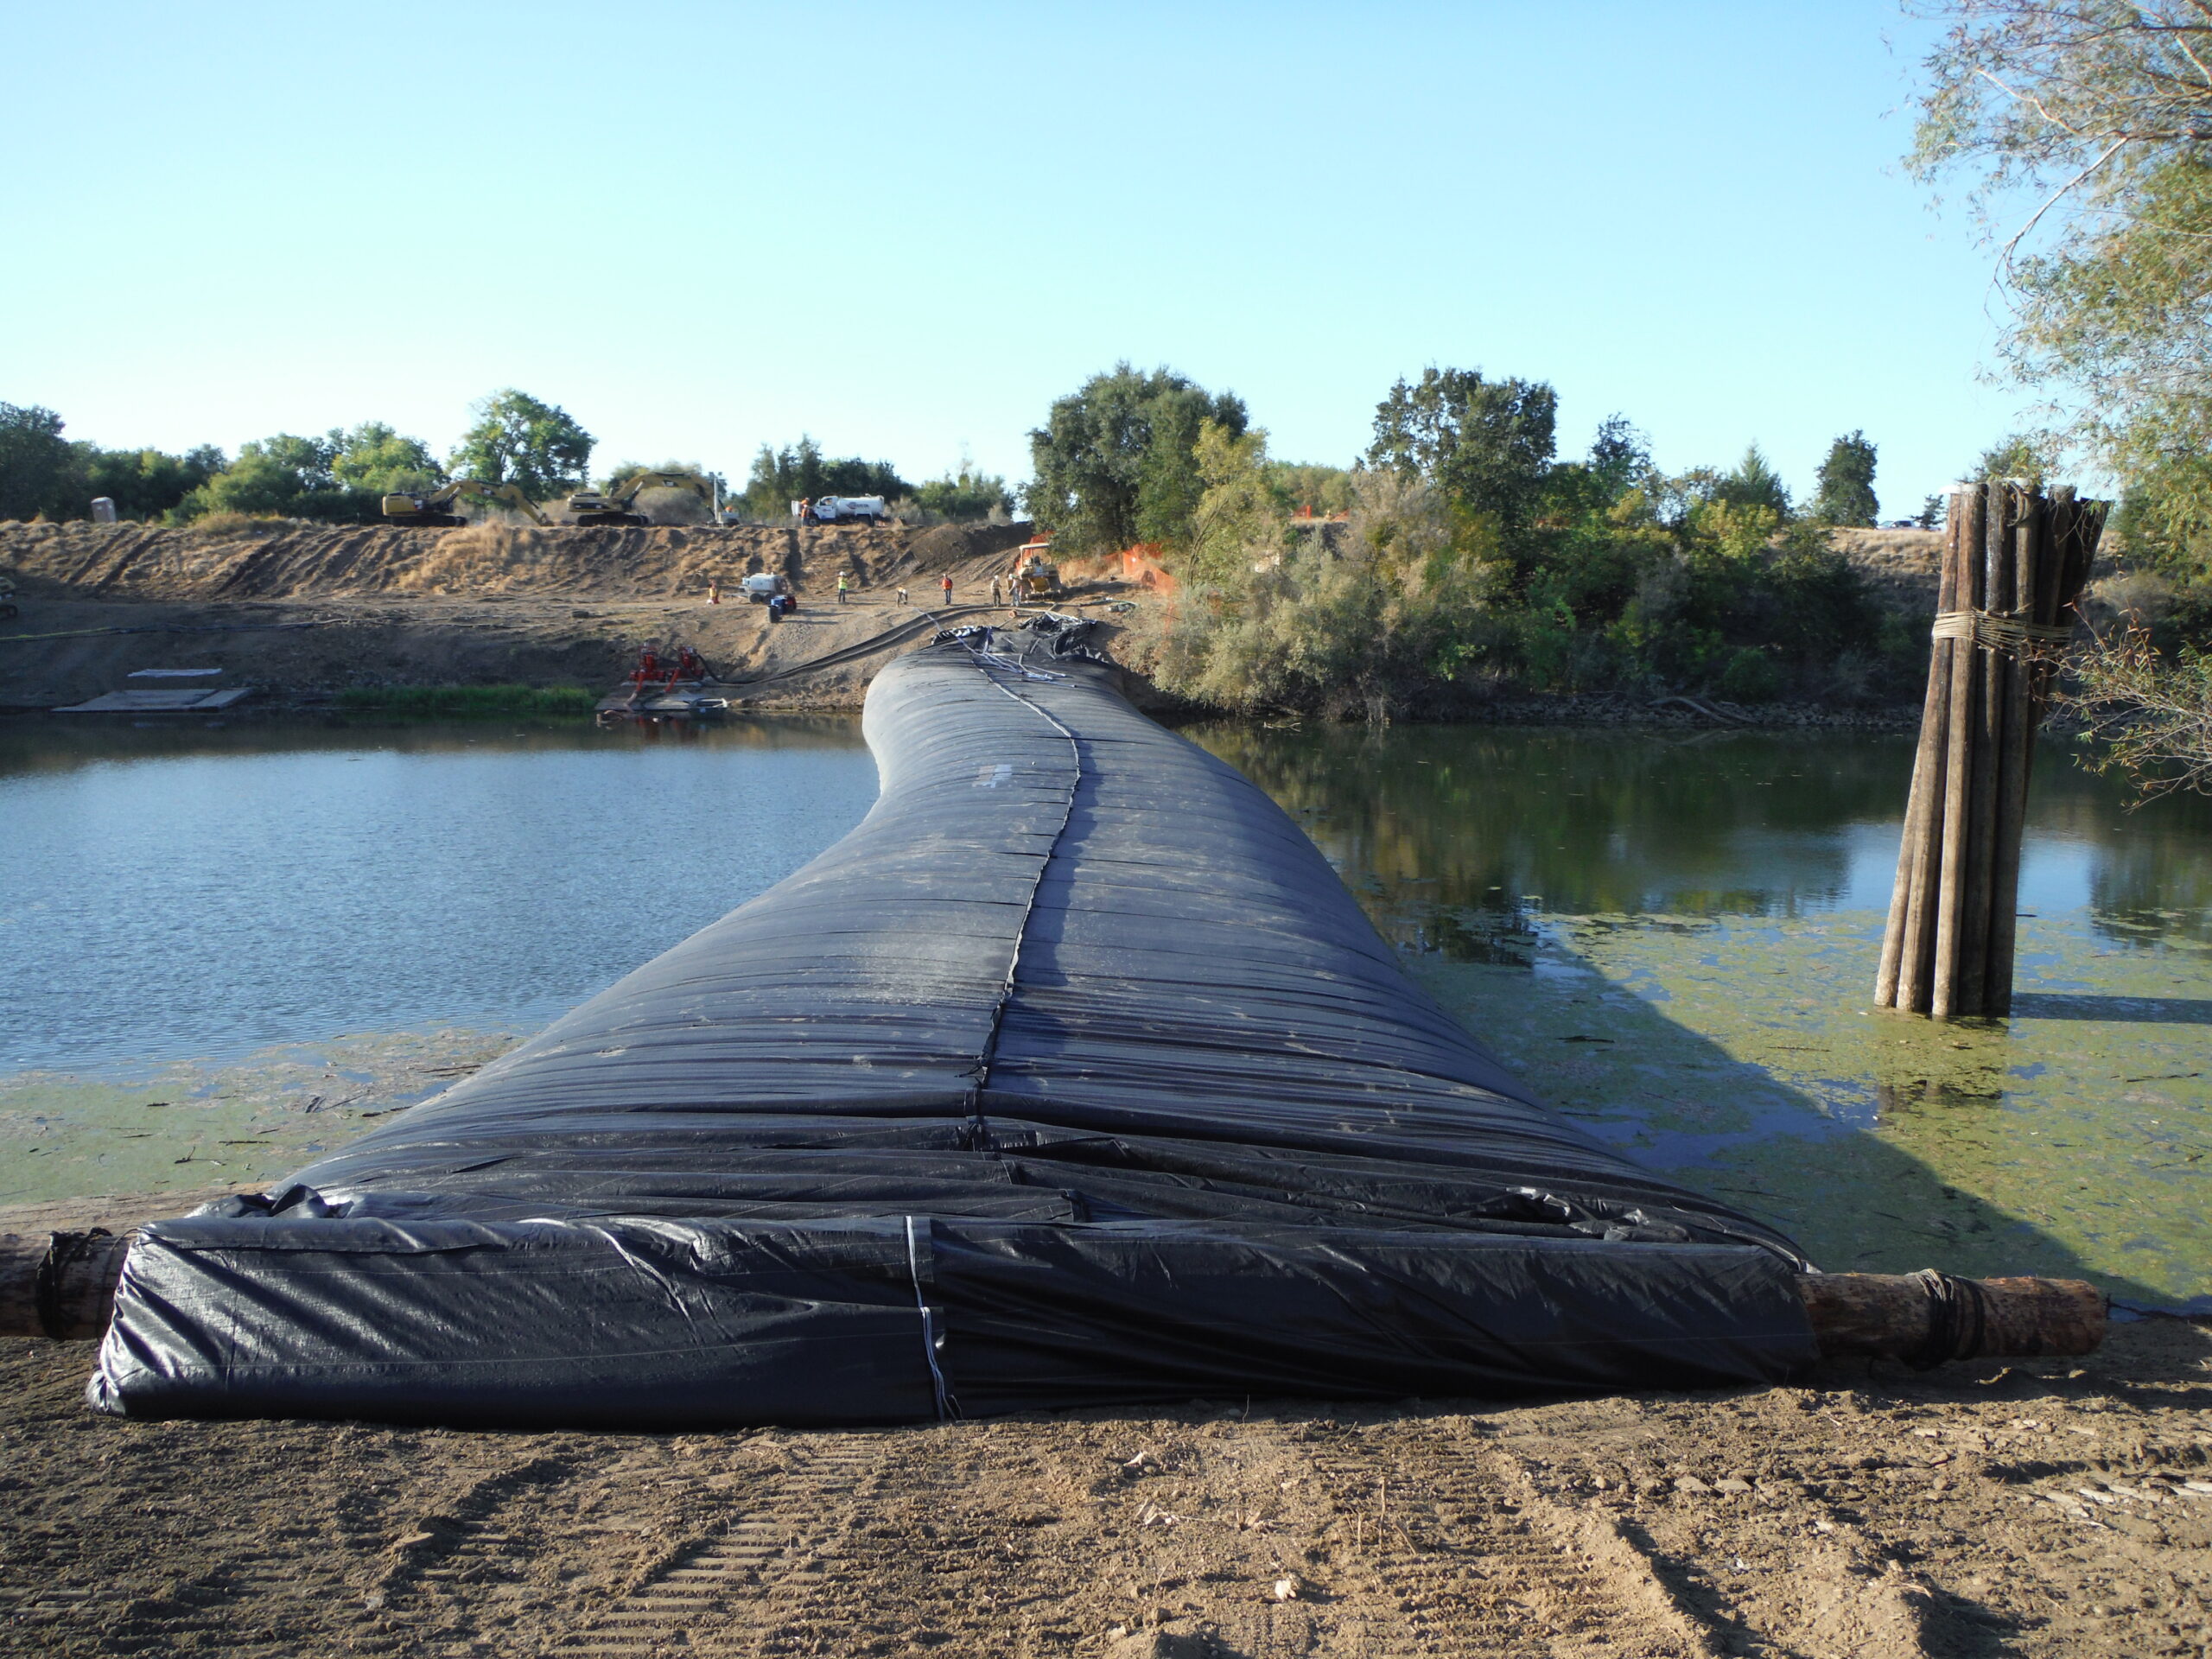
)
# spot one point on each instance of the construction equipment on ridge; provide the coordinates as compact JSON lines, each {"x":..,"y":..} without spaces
{"x":409,"y":508}
{"x":619,"y":506}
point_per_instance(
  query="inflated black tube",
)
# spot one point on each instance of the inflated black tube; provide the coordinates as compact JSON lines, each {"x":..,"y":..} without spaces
{"x":1071,"y":1076}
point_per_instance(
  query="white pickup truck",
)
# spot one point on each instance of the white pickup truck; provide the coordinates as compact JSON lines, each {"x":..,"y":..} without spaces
{"x":850,"y":509}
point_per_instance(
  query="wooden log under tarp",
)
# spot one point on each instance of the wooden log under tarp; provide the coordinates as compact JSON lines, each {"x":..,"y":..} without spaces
{"x":63,"y":1286}
{"x":59,"y":1284}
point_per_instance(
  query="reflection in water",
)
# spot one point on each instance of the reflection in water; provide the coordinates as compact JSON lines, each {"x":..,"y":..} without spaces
{"x":1674,"y":939}
{"x":1501,"y":822}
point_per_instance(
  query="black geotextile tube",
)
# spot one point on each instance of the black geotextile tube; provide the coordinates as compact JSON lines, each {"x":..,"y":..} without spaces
{"x":1072,"y":1076}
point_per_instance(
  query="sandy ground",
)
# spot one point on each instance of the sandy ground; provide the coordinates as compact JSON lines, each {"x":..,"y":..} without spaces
{"x":2036,"y":1509}
{"x":305,"y":615}
{"x":301,"y":611}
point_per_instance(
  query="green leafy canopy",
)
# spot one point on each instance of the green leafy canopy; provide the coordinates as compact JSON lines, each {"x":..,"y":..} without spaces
{"x":1116,"y":461}
{"x":519,"y":439}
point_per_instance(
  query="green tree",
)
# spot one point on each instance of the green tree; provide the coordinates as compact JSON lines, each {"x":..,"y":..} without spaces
{"x":2021,"y":456}
{"x":1844,"y":489}
{"x":1487,"y":444}
{"x":375,"y":457}
{"x":1307,"y":484}
{"x":518,"y":439}
{"x":965,"y":494}
{"x":800,"y":472}
{"x":286,"y":476}
{"x":1239,"y":515}
{"x":2099,"y":113}
{"x":144,"y":483}
{"x":1620,"y":457}
{"x":1117,"y":462}
{"x":36,"y":466}
{"x":1754,"y":483}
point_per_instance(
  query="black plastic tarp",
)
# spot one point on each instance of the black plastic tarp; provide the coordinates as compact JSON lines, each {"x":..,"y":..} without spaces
{"x":1071,"y":1076}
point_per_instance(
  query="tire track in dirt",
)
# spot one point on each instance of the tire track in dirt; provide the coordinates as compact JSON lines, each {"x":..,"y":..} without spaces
{"x":1444,"y":1553}
{"x":940,"y":1554}
{"x":473,"y":1551}
{"x":2061,"y":1512}
{"x":719,"y":1591}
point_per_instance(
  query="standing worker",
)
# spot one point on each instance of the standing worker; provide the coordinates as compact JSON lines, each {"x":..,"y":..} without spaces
{"x":994,"y":590}
{"x":947,"y":585}
{"x":841,"y":586}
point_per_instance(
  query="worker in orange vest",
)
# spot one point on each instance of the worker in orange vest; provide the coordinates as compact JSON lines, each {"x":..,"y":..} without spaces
{"x":947,"y":585}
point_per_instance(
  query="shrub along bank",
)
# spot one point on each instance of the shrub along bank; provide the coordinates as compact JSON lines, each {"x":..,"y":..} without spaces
{"x":1471,"y":558}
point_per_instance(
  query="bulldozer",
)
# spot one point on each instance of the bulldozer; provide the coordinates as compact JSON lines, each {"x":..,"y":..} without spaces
{"x":408,"y":508}
{"x":620,"y":506}
{"x":1036,"y":577}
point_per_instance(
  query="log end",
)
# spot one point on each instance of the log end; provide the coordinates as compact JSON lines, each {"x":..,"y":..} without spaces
{"x":59,"y":1284}
{"x":1926,"y":1318}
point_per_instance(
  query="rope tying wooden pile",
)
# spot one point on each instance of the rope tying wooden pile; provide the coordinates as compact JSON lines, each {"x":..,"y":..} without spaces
{"x":2007,"y":631}
{"x":2013,"y":564}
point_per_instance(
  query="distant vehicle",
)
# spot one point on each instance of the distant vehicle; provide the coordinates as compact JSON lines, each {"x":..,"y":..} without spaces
{"x":620,"y":506}
{"x":763,"y":585}
{"x":1036,"y":577}
{"x":849,"y":510}
{"x":409,"y":508}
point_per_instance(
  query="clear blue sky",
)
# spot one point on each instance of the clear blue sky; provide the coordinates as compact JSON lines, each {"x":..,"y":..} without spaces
{"x":907,"y":229}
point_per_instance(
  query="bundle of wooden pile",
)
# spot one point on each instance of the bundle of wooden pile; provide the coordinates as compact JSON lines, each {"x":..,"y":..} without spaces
{"x":2013,"y":564}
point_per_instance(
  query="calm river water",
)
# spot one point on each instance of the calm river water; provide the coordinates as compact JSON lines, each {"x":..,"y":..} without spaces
{"x":278,"y":928}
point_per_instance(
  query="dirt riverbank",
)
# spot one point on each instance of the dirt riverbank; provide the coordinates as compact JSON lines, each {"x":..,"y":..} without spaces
{"x":303,"y":613}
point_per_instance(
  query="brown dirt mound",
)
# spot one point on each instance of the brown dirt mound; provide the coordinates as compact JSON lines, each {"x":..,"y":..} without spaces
{"x":291,"y":560}
{"x":1902,"y":566}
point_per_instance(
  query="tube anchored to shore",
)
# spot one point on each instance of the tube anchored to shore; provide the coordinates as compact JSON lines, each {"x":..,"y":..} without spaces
{"x":66,"y":1291}
{"x":1072,"y":1077}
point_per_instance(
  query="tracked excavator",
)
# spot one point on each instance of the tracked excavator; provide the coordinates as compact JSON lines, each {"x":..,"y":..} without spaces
{"x":408,"y":508}
{"x":620,"y":506}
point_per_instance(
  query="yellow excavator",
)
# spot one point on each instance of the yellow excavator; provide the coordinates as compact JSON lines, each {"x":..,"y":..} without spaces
{"x":620,"y":506}
{"x":408,"y":508}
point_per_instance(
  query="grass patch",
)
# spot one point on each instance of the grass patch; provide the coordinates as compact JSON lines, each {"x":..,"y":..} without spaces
{"x":467,"y":700}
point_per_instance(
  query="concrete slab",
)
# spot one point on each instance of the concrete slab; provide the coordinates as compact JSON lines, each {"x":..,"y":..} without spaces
{"x":193,"y":701}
